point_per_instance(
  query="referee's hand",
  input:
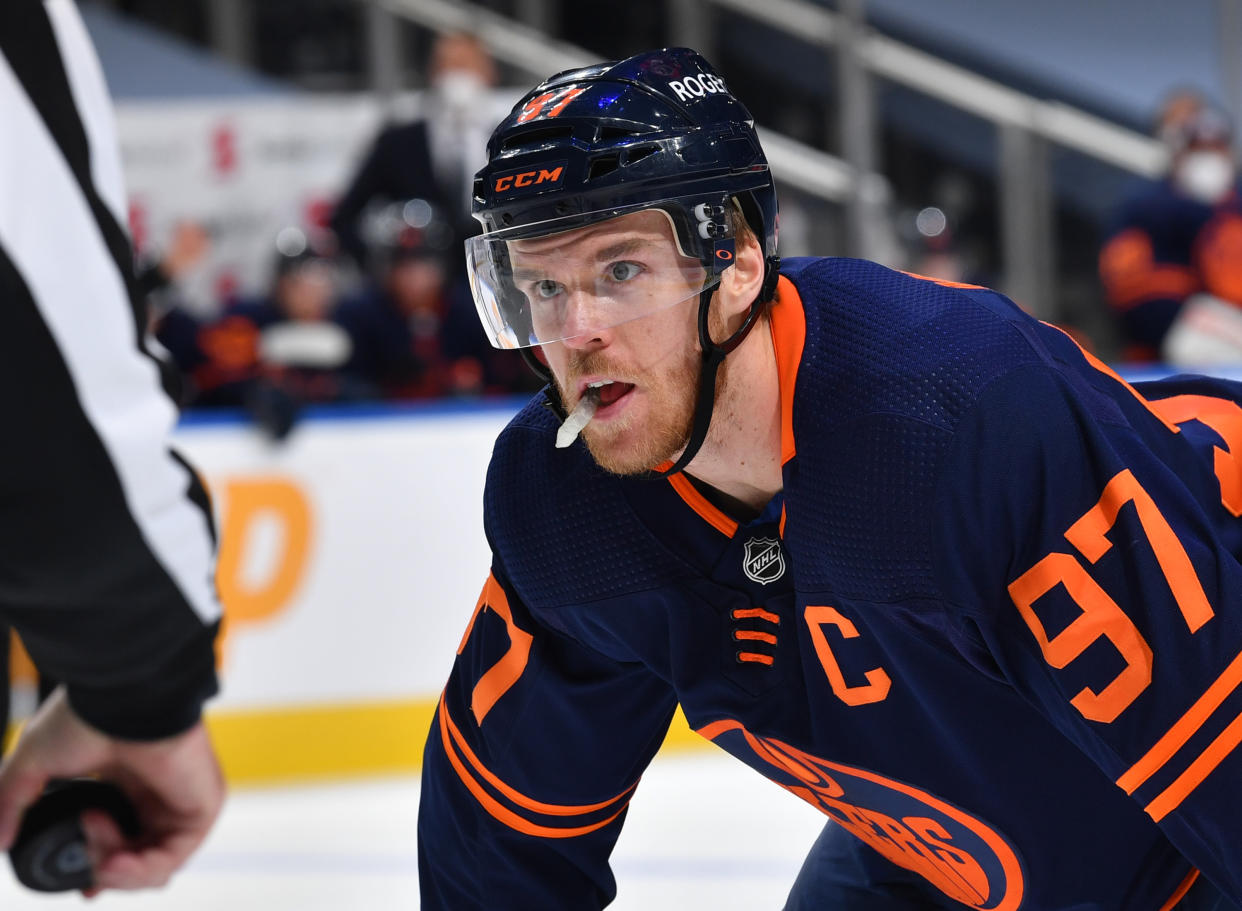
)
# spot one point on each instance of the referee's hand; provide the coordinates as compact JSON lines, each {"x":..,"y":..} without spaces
{"x":175,"y":784}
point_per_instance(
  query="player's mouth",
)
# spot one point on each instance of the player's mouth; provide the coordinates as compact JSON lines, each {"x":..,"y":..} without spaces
{"x":610,"y":395}
{"x":600,"y":398}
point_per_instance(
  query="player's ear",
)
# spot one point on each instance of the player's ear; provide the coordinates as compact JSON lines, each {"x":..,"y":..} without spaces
{"x":740,"y":283}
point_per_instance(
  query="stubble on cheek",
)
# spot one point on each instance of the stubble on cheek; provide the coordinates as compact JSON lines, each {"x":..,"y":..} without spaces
{"x":650,"y":431}
{"x":656,"y":427}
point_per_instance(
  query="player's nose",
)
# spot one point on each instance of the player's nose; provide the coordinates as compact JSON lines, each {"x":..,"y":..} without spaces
{"x":584,"y":326}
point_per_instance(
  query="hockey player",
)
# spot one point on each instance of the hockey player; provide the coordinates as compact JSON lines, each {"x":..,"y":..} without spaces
{"x":899,"y":547}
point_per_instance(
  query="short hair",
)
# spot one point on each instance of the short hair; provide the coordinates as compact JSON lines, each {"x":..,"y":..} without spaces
{"x":740,"y":225}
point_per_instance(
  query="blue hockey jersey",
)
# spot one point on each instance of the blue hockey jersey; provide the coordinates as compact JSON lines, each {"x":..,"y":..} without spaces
{"x":990,"y":627}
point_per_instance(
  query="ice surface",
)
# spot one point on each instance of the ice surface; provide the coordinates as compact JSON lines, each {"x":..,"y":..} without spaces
{"x":703,"y":832}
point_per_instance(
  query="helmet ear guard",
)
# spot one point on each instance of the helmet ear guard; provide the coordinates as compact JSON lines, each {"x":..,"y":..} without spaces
{"x":703,"y":231}
{"x":714,"y":236}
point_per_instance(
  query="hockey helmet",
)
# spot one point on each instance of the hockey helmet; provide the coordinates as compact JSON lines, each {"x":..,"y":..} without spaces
{"x":661,"y":131}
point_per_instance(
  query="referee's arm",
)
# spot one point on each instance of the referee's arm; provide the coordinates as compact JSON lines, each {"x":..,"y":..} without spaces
{"x":106,"y":550}
{"x":105,"y":537}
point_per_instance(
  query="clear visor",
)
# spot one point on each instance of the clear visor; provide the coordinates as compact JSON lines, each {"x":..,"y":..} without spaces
{"x":571,"y":282}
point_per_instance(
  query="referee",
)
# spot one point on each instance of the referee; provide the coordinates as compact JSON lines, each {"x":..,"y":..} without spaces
{"x":106,"y":542}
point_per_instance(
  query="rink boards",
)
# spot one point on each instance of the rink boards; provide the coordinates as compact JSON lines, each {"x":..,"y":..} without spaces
{"x":352,"y":556}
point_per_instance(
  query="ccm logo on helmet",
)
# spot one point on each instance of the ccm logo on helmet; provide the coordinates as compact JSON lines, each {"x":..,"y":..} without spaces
{"x":697,"y":86}
{"x":516,"y":180}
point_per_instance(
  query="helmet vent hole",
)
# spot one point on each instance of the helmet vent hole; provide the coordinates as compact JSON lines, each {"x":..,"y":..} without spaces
{"x":638,"y":154}
{"x":606,"y":133}
{"x":603,"y":165}
{"x":537,"y":136}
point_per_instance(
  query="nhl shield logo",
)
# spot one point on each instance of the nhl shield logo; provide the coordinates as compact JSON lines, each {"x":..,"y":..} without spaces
{"x":763,"y":561}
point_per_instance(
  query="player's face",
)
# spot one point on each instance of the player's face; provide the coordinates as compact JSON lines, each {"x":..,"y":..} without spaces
{"x":651,"y":364}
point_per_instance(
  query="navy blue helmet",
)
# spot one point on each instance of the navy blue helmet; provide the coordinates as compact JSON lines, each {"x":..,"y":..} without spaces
{"x":659,"y":130}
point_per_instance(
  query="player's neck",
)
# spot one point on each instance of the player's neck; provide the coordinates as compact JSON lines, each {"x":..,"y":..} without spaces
{"x":741,"y":456}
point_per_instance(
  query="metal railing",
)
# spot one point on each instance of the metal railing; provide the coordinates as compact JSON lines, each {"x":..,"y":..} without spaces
{"x":961,"y":88}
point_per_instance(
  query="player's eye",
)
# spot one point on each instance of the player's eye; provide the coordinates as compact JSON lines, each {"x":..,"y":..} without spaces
{"x":547,"y":289}
{"x":623,"y":271}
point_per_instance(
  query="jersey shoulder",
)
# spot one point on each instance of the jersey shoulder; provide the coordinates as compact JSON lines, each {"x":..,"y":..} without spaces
{"x":883,"y":341}
{"x":892,"y":366}
{"x":563,"y":528}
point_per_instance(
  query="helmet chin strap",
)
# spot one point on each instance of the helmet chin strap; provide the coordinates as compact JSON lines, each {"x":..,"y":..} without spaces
{"x":551,"y":398}
{"x":713,"y":356}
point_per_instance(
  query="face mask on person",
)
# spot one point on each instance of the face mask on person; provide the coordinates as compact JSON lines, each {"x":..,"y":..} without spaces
{"x":460,"y":90}
{"x":1205,"y":176}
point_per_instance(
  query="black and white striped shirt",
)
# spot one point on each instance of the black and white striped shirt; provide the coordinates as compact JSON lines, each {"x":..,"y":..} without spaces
{"x":106,"y":541}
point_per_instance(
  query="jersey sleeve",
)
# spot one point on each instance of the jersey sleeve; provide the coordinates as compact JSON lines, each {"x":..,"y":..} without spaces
{"x":1091,"y":536}
{"x":535,"y":751}
{"x":106,"y":540}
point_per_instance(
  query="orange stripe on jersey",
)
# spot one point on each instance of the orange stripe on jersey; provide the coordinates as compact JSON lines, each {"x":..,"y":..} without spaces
{"x":1171,"y":797}
{"x":1181,"y":891}
{"x":505,"y":672}
{"x":755,"y":657}
{"x":944,"y":283}
{"x":478,"y":607}
{"x":746,"y":613}
{"x":703,"y":506}
{"x":1184,"y":729}
{"x":788,"y":327}
{"x":1110,"y":372}
{"x":716,"y":728}
{"x":741,"y":634}
{"x":547,"y":809}
{"x":517,"y":823}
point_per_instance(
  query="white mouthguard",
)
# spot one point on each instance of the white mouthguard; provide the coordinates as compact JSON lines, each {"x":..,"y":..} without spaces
{"x":578,"y":419}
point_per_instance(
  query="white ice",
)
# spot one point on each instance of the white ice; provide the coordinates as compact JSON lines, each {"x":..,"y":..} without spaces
{"x":703,"y":832}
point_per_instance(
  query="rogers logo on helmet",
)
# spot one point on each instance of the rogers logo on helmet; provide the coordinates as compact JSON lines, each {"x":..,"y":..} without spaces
{"x":529,"y":179}
{"x":697,"y":86}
